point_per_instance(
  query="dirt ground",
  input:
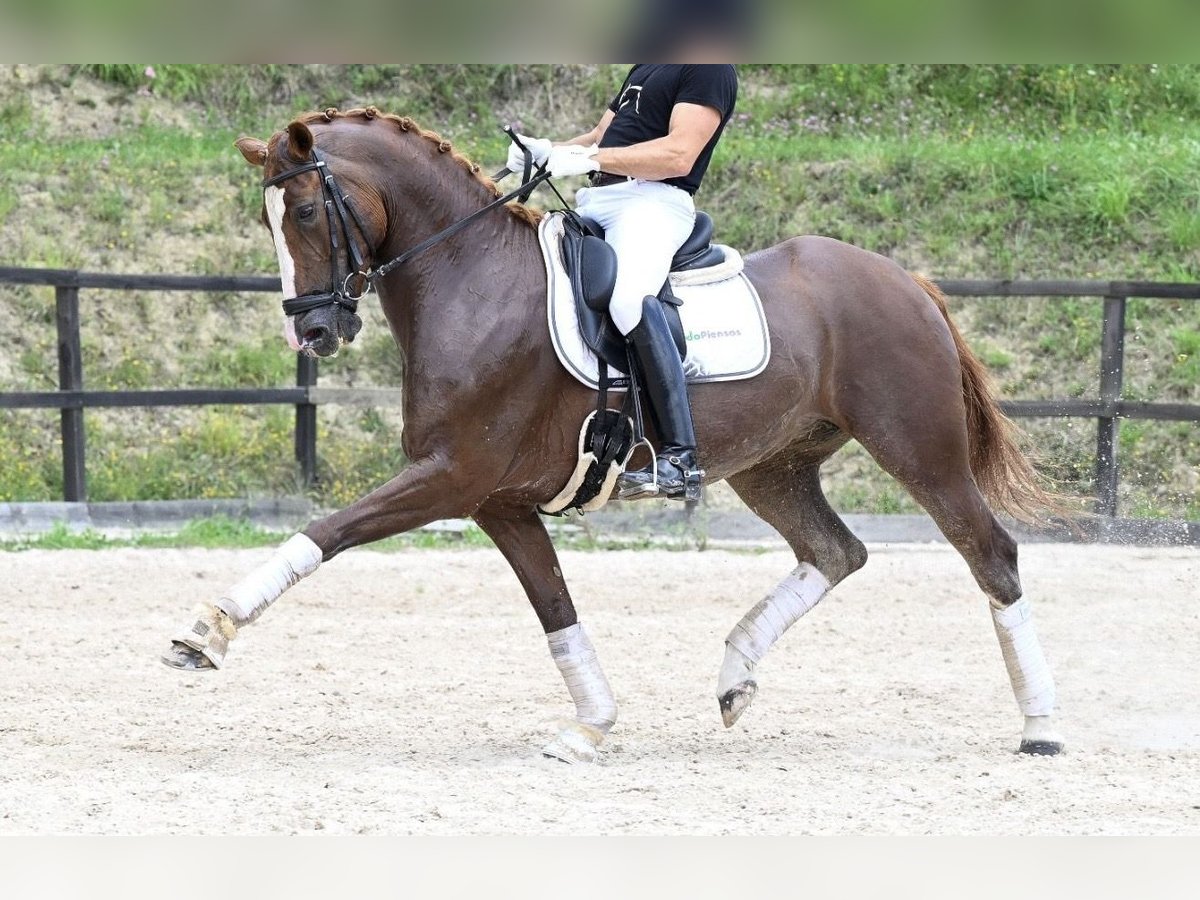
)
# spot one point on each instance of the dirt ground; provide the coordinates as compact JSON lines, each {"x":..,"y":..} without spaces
{"x":408,"y":693}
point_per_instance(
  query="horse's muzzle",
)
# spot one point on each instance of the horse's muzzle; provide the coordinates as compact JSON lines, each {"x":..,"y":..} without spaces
{"x":321,"y":332}
{"x":319,"y":340}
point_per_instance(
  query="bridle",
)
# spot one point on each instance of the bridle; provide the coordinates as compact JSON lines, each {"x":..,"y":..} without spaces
{"x":339,"y":210}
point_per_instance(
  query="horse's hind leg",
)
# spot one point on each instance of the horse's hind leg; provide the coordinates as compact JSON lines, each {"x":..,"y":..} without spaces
{"x":521,"y":536}
{"x":785,"y":491}
{"x":930,"y":459}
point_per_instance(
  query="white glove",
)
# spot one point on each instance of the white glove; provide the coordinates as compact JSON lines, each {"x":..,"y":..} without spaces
{"x":571,"y":159}
{"x":538,"y":147}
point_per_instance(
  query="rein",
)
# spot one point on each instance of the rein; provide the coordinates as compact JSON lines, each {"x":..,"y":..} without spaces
{"x":339,"y":209}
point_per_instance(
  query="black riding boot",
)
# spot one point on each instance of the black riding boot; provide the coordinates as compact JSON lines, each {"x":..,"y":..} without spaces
{"x":678,"y":475}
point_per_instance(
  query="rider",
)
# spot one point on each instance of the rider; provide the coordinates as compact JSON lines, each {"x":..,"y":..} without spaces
{"x":646,"y":158}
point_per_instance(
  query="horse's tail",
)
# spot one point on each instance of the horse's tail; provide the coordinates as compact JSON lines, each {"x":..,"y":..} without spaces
{"x":1002,"y":471}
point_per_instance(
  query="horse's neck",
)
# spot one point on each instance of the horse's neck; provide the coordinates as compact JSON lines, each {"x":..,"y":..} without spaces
{"x":483,"y":280}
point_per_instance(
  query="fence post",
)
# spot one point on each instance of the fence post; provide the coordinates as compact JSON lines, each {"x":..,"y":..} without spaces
{"x":306,"y":421}
{"x":1112,"y":375}
{"x":70,"y":378}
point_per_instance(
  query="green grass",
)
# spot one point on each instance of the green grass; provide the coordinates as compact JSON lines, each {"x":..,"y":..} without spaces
{"x":265,"y":362}
{"x":16,"y":114}
{"x":216,"y":532}
{"x":225,"y":451}
{"x":1032,"y":208}
{"x":1185,"y":367}
{"x":8,"y":202}
{"x":30,"y":461}
{"x":224,"y":532}
{"x":841,"y":99}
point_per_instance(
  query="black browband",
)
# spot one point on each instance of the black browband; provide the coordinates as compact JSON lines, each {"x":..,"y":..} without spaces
{"x":340,"y":205}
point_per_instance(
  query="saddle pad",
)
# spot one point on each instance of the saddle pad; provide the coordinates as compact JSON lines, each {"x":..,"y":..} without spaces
{"x":722,"y":316}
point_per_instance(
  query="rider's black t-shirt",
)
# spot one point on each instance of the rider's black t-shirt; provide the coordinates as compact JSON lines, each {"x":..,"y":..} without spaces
{"x":643,"y":107}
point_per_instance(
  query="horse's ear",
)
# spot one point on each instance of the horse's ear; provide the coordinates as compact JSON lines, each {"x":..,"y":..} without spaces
{"x":300,"y":141}
{"x":254,"y":150}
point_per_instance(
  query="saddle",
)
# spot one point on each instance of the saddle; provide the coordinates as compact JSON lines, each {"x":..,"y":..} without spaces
{"x":591,"y":265}
{"x":609,"y":437}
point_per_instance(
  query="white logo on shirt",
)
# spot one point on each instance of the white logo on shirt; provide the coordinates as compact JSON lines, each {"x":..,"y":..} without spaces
{"x":632,"y":94}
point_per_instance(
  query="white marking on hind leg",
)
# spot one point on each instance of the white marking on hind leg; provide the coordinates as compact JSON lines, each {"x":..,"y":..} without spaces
{"x":1032,"y":681}
{"x":1041,"y":732}
{"x":758,"y":631}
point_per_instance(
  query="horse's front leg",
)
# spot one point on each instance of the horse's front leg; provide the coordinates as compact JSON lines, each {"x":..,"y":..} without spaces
{"x":427,"y":490}
{"x":521,"y":536}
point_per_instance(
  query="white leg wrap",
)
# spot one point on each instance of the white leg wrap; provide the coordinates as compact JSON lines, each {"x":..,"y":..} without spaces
{"x":297,"y":557}
{"x":576,"y":660}
{"x":775,"y":613}
{"x":1031,"y":680}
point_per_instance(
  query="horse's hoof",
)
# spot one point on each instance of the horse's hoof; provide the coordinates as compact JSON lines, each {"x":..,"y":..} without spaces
{"x":1041,"y":748}
{"x":204,"y":645}
{"x":735,"y":701}
{"x":1039,"y":737}
{"x":178,"y":656}
{"x":575,"y":743}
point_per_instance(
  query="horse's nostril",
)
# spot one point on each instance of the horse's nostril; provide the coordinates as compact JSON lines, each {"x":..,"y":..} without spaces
{"x":312,"y":335}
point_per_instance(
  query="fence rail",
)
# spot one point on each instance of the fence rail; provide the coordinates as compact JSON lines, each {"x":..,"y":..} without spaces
{"x":71,"y":399}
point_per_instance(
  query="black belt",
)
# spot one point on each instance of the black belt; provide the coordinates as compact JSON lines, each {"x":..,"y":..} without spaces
{"x":604,"y":179}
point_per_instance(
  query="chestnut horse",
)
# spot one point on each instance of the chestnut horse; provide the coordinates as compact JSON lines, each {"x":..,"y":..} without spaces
{"x":862,"y":349}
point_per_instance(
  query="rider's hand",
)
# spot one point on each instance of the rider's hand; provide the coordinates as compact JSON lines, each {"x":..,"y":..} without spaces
{"x":571,"y":159}
{"x":539,"y":147}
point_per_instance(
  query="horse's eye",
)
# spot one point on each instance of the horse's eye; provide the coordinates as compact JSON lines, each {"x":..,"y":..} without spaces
{"x":304,"y":213}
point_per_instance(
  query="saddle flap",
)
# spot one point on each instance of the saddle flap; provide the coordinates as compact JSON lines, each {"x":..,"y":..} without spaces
{"x":591,"y":265}
{"x":722,"y":318}
{"x":597,"y":272}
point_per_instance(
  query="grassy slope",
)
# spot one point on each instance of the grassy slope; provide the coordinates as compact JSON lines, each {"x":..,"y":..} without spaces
{"x":957,"y":172}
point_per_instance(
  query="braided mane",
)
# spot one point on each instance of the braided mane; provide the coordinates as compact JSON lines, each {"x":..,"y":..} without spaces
{"x":404,"y":123}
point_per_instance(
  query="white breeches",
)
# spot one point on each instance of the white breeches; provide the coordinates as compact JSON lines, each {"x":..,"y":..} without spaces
{"x":645,"y":222}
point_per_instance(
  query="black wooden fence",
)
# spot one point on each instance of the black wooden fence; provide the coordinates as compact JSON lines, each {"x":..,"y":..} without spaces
{"x":72,"y":399}
{"x":1109,"y":408}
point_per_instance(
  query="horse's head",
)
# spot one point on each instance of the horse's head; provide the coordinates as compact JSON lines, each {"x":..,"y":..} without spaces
{"x":326,"y":230}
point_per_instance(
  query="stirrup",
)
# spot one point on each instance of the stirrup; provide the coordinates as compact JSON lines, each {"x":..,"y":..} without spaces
{"x":687,"y":485}
{"x":640,"y":490}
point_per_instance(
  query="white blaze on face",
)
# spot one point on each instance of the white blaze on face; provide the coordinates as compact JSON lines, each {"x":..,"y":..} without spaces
{"x":273,"y":197}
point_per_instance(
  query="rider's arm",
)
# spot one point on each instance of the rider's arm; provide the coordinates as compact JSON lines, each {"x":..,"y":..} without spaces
{"x":587,"y":139}
{"x":671,"y":156}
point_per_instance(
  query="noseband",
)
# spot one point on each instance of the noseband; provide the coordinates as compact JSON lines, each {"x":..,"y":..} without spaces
{"x":339,"y":209}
